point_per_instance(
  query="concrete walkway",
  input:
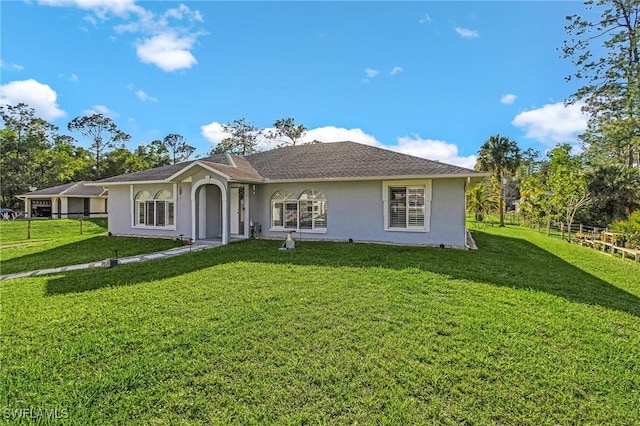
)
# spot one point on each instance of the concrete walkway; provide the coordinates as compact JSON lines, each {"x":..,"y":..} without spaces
{"x":106,"y":263}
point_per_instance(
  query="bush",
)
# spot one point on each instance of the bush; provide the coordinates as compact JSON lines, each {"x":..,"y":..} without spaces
{"x":630,"y":229}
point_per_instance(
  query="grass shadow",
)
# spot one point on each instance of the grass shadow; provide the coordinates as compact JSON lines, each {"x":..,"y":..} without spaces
{"x":502,"y":261}
{"x":92,"y":249}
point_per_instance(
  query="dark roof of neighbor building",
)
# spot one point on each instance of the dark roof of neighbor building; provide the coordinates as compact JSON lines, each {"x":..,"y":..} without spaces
{"x":73,"y":189}
{"x":335,"y":160}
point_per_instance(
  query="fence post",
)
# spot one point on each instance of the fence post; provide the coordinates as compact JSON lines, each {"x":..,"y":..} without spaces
{"x":29,"y":229}
{"x":581,"y":228}
{"x":80,"y":218}
{"x":562,"y":230}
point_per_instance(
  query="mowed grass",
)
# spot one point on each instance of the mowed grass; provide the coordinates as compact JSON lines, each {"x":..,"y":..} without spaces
{"x":56,"y":243}
{"x":528,"y":330}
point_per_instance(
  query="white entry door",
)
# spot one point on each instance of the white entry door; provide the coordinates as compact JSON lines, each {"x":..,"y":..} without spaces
{"x":236,"y":207}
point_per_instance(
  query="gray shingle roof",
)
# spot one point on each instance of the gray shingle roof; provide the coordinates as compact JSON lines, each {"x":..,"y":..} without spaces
{"x":74,"y":189}
{"x":242,"y":169}
{"x":163,"y":172}
{"x":345,"y":160}
{"x":311,"y":161}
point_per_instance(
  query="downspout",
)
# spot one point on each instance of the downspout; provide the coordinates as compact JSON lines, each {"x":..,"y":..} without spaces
{"x":464,"y":221}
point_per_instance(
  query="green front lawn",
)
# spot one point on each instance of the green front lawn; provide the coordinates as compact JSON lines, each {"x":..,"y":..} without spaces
{"x":528,"y":330}
{"x":57,"y":243}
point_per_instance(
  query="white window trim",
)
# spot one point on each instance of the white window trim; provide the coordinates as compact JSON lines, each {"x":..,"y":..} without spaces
{"x":424,"y":183}
{"x":134,"y":212}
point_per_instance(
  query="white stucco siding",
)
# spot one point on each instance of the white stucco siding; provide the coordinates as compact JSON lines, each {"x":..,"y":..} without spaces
{"x":97,"y":207}
{"x":121,"y":209}
{"x":356,"y":210}
{"x":448,"y":210}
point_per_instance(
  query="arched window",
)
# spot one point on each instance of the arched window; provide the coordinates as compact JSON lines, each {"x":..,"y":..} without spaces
{"x":284,"y":210}
{"x":163,"y":195}
{"x":143,"y":195}
{"x":307,"y":212}
{"x":154,"y":211}
{"x":313,"y":210}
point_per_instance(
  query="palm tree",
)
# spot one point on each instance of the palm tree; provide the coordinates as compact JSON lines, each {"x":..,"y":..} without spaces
{"x":500,"y":156}
{"x":480,"y":201}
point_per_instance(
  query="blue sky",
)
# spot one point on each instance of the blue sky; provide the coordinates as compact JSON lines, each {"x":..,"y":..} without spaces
{"x":432,"y":79}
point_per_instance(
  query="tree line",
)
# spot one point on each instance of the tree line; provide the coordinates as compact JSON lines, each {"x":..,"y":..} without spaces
{"x":601,"y":184}
{"x":35,"y":155}
{"x":557,"y":187}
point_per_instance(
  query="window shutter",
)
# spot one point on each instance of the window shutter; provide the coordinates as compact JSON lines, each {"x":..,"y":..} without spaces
{"x":397,"y":207}
{"x":416,"y":207}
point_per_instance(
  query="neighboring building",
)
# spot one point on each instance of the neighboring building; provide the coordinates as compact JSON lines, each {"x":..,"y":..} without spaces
{"x":330,"y":191}
{"x":70,"y":200}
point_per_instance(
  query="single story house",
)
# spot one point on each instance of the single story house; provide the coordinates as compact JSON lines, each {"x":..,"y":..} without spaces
{"x":342,"y":191}
{"x":70,"y":200}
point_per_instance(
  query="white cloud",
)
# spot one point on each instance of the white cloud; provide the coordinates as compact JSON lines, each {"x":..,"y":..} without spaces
{"x":101,"y":109}
{"x":553,"y":123}
{"x":413,"y":145}
{"x":168,"y":51}
{"x":72,"y":77}
{"x":213,"y":132}
{"x":182,"y":12}
{"x":92,"y":20}
{"x":145,"y":97}
{"x":433,"y":150}
{"x":338,"y":134}
{"x":38,"y":96}
{"x":425,"y":19}
{"x":167,"y":45}
{"x":10,"y":66}
{"x":371,"y":72}
{"x":102,"y":8}
{"x":508,"y":99}
{"x":467,"y":33}
{"x":395,"y":70}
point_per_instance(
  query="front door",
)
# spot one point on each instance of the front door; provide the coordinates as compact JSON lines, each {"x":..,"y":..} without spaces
{"x":236,"y":207}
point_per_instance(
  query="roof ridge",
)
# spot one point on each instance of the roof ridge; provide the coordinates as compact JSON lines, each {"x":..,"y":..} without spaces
{"x":230,"y":159}
{"x":73,"y":185}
